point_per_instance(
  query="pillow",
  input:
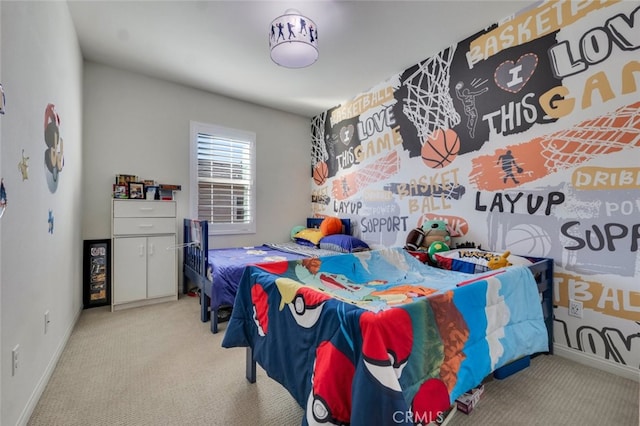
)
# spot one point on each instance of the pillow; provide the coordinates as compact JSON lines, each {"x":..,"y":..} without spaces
{"x":331,"y":225}
{"x":343,"y":243}
{"x":472,"y":260}
{"x":295,"y":230}
{"x":308,"y":237}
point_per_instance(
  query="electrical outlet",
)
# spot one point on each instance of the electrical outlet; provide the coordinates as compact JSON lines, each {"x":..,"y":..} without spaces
{"x":575,"y":308}
{"x":15,"y":360}
{"x":47,"y":321}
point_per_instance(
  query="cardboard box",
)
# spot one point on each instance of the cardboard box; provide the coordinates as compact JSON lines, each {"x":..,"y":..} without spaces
{"x":469,"y":400}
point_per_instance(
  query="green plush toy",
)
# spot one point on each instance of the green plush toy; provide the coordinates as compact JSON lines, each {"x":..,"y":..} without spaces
{"x":434,"y":231}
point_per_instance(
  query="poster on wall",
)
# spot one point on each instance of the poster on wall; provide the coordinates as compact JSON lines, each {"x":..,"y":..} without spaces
{"x":97,"y":277}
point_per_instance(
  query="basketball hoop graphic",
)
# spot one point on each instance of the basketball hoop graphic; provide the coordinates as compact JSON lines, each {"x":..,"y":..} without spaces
{"x":319,"y":153}
{"x":428,"y":104}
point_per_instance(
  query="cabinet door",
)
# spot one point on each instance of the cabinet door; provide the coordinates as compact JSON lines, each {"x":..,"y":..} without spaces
{"x":129,"y":269}
{"x":161,"y":266}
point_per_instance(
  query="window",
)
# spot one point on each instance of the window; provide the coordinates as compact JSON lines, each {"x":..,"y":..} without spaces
{"x":223,"y":171}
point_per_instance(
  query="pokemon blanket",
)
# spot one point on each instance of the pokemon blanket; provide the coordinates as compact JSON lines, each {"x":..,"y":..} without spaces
{"x":378,"y":337}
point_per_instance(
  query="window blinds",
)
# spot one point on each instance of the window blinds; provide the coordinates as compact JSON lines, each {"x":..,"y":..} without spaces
{"x":225,"y":181}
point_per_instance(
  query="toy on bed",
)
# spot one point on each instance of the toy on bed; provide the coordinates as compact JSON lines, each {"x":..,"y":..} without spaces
{"x":432,"y":237}
{"x":474,"y":260}
{"x":499,"y":261}
{"x":430,"y":232}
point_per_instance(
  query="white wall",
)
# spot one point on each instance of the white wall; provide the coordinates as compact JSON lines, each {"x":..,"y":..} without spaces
{"x":139,"y":125}
{"x":41,"y":64}
{"x":1,"y":347}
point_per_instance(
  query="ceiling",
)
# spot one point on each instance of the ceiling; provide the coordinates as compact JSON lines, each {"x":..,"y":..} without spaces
{"x":222,"y":46}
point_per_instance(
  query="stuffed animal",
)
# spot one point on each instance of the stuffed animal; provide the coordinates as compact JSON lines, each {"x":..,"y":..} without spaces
{"x":501,"y":261}
{"x":435,"y":230}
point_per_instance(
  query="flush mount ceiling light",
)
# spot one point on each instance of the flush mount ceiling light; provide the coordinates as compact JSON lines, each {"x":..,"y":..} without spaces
{"x":293,"y":40}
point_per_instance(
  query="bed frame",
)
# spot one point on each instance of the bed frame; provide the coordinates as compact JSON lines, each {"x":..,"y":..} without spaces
{"x":194,"y":267}
{"x":542,"y":270}
{"x":195,"y":264}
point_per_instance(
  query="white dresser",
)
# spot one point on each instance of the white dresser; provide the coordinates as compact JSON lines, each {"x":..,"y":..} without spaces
{"x":144,"y":253}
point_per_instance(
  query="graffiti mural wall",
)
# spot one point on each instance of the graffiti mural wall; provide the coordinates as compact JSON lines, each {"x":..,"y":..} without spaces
{"x":524,"y":137}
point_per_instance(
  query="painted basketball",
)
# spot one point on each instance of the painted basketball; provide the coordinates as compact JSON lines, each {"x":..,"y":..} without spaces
{"x":528,"y":239}
{"x":320,"y":173}
{"x":440,"y":148}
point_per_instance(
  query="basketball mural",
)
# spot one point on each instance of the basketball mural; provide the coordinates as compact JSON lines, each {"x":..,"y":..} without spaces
{"x":524,"y":137}
{"x":440,"y":148}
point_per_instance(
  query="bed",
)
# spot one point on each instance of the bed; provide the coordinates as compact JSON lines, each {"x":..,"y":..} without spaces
{"x":215,"y":273}
{"x":379,"y":337}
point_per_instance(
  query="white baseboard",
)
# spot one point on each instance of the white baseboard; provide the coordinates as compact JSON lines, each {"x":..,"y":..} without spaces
{"x":596,"y":362}
{"x":42,"y":383}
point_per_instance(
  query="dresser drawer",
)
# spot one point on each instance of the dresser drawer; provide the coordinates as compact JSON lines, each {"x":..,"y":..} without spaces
{"x":143,"y":225}
{"x":130,"y":208}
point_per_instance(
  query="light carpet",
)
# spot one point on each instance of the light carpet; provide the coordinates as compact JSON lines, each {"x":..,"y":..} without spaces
{"x":159,"y":365}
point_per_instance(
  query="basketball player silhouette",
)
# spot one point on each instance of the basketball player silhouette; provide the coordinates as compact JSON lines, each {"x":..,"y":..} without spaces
{"x":280,"y":34}
{"x":468,"y":99}
{"x":508,"y":164}
{"x":290,"y":27}
{"x":345,"y":187}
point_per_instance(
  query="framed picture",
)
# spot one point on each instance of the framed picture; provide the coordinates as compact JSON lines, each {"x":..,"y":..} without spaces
{"x":120,"y":191}
{"x":125,"y":179}
{"x":97,"y":273}
{"x":136,"y":190}
{"x":152,"y":192}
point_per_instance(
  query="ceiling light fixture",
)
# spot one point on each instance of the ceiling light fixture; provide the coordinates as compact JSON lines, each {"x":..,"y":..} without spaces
{"x":293,"y":40}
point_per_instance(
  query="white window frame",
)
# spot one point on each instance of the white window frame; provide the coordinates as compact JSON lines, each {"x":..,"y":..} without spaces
{"x":226,"y":133}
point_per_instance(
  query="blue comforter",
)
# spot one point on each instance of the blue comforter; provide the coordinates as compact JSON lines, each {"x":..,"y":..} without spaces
{"x":379,"y":338}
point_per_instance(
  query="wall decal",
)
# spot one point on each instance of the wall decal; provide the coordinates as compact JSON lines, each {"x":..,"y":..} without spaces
{"x":428,"y":104}
{"x":2,"y":101}
{"x":50,"y":222}
{"x":512,"y":76}
{"x":570,"y":147}
{"x":468,"y":99}
{"x":54,"y":154}
{"x":23,"y":166}
{"x":348,"y":185}
{"x":440,"y":148}
{"x":3,"y":198}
